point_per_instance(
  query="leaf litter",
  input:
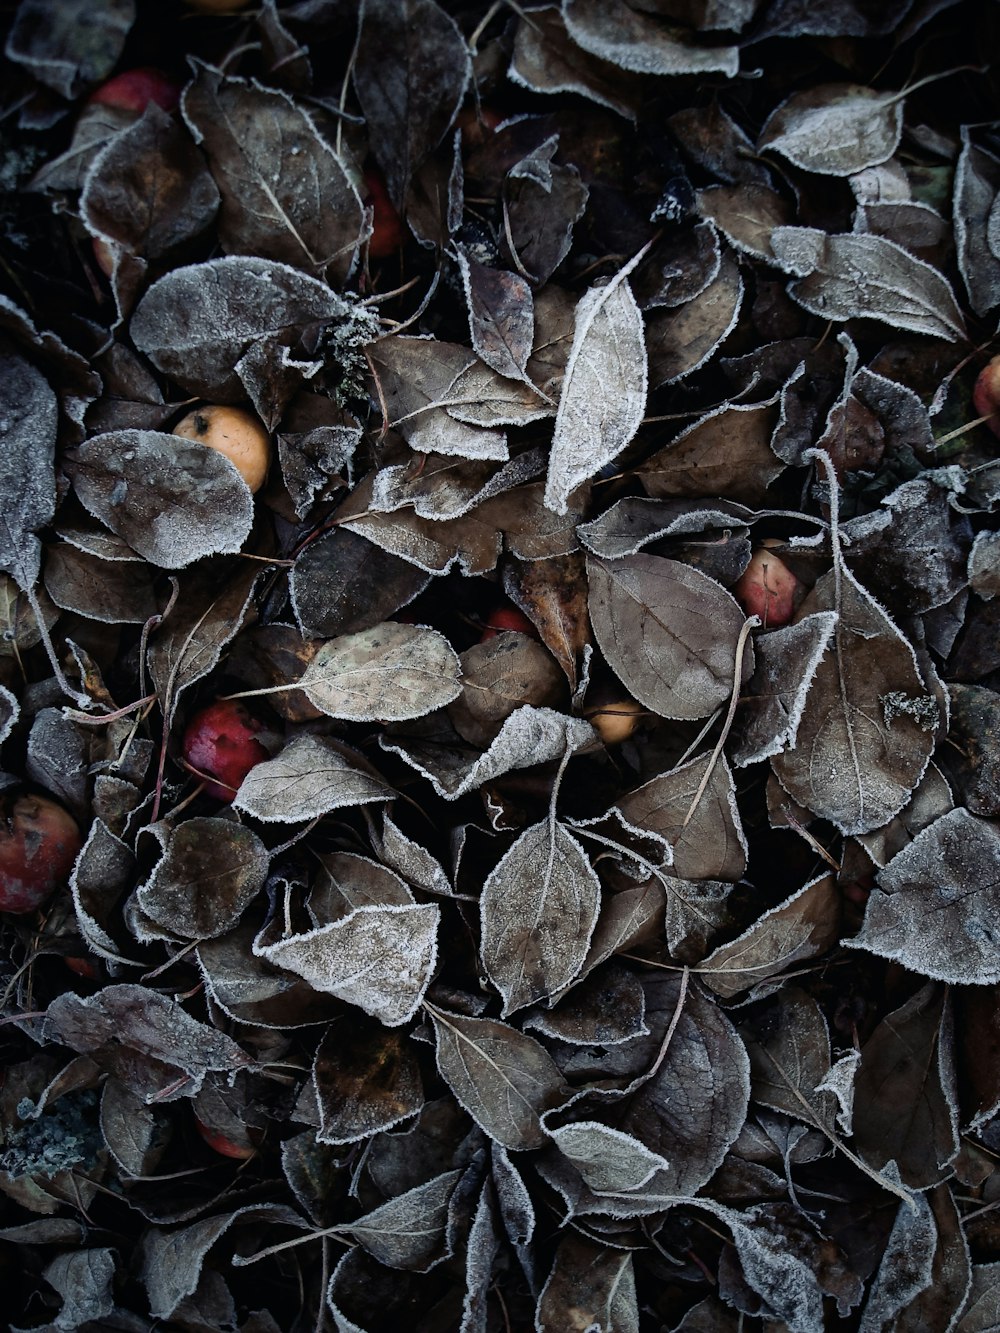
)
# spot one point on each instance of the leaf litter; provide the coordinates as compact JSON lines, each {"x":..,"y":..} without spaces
{"x":582,"y":949}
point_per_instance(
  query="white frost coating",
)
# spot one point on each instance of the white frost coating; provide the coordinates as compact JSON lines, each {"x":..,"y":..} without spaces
{"x":378,"y":958}
{"x":608,"y":1159}
{"x":636,"y":42}
{"x":604,"y":388}
{"x":840,"y":1082}
{"x":835,"y":129}
{"x":529,"y":736}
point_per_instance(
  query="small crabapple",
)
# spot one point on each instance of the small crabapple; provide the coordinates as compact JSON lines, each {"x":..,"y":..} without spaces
{"x":616,"y":719}
{"x":235,"y":432}
{"x":224,"y":1145}
{"x":387,"y":225}
{"x":503,"y":618}
{"x":221,"y":744}
{"x":39,"y":842}
{"x":768,"y":588}
{"x":134,"y":89}
{"x":986,"y":394}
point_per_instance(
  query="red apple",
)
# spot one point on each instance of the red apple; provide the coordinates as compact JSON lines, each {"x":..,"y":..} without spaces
{"x":768,"y":588}
{"x":83,"y":967}
{"x":220,"y":742}
{"x":39,"y":841}
{"x":223,"y":1144}
{"x":506,"y":617}
{"x":387,"y":225}
{"x":134,"y":89}
{"x":986,"y":394}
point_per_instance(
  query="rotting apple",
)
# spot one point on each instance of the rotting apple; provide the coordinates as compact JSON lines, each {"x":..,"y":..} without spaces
{"x":83,"y":967}
{"x":986,"y":394}
{"x":134,"y":89}
{"x":39,"y":842}
{"x":616,"y":719}
{"x":224,"y":1145}
{"x":503,"y":618}
{"x":221,"y":745}
{"x":768,"y":588}
{"x":387,"y":225}
{"x":232,"y":431}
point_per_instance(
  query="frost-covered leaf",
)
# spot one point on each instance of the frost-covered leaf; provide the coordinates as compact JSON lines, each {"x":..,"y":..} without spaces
{"x":604,"y":388}
{"x":774,"y":698}
{"x":924,"y":1276}
{"x":148,"y":189}
{"x":607,"y":1159}
{"x":391,"y":672}
{"x":837,"y":129}
{"x":366,"y":1079}
{"x":937,"y":907}
{"x":977,"y":181}
{"x":727,"y":453}
{"x":706,"y":837}
{"x":501,"y":316}
{"x":83,"y":1279}
{"x":668,"y":631}
{"x":136,"y":1133}
{"x":623,"y":36}
{"x":529,"y":736}
{"x":285,"y":194}
{"x":538,"y":909}
{"x":28,"y":416}
{"x":116,"y":592}
{"x":747,"y":216}
{"x":981,"y":1313}
{"x":504,"y":1079}
{"x":866,"y":277}
{"x":904,"y":1094}
{"x":804,"y":925}
{"x":867,"y":730}
{"x":410,"y":1230}
{"x":210,"y":871}
{"x":69,"y":44}
{"x":378,"y":958}
{"x":153,"y":1045}
{"x":547,"y":60}
{"x":498,"y":677}
{"x":197,"y":324}
{"x":172,"y":1260}
{"x":682,"y":340}
{"x":591,"y":1284}
{"x":410,"y":76}
{"x":173,"y":500}
{"x":310,"y":777}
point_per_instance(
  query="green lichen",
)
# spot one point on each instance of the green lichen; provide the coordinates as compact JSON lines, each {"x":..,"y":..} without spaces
{"x":66,"y":1137}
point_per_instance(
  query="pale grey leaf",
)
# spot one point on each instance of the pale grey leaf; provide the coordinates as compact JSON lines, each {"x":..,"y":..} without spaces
{"x":604,"y":388}
{"x":197,"y":323}
{"x":538,"y":910}
{"x":866,"y":277}
{"x":592,"y":1284}
{"x":210,"y":872}
{"x":635,"y":41}
{"x":982,"y":1308}
{"x":977,"y":181}
{"x":803,"y":926}
{"x":774,"y":698}
{"x":547,"y":60}
{"x":310,"y":777}
{"x":381,"y":959}
{"x":504,"y":1079}
{"x":391,"y":672}
{"x":608,"y":1160}
{"x":501,"y":315}
{"x":29,"y":414}
{"x":906,"y":1268}
{"x":45,"y":39}
{"x":836,"y":129}
{"x":937,"y":908}
{"x":528,"y":737}
{"x":285,"y":194}
{"x":668,"y":632}
{"x":410,"y":860}
{"x":83,"y":1278}
{"x":410,"y":1230}
{"x":173,"y":500}
{"x":867,"y":729}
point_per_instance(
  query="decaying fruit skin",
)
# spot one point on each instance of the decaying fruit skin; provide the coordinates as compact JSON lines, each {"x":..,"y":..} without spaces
{"x":615,"y":720}
{"x":387,"y":225}
{"x":768,"y":588}
{"x":222,"y":1144}
{"x":220,"y":742}
{"x":505,"y":618}
{"x":986,"y":394}
{"x":232,"y":431}
{"x":134,"y":89}
{"x":39,"y":842}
